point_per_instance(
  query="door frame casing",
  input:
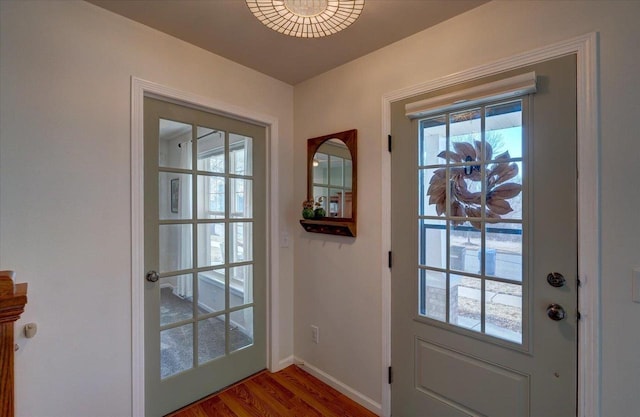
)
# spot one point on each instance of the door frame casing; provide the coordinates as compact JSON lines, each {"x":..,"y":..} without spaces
{"x":139,"y":90}
{"x":585,"y":49}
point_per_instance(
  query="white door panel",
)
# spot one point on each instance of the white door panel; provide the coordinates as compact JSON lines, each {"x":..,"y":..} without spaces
{"x":483,"y":210}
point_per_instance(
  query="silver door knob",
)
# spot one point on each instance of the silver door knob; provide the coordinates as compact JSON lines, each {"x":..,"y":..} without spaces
{"x":556,"y":312}
{"x":152,"y":276}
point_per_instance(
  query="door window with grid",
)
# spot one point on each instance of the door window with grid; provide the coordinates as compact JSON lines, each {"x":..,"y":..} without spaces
{"x":470,"y":218}
{"x":206,"y":308}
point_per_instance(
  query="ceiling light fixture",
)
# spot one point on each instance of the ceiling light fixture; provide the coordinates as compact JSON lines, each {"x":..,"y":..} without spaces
{"x":306,"y":18}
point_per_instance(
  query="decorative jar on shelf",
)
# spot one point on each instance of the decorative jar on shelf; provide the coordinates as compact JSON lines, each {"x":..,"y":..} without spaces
{"x":319,"y":211}
{"x":308,"y":213}
{"x":307,"y":209}
{"x":313,"y":209}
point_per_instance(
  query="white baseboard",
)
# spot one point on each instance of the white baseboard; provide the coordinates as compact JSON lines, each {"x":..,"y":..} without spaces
{"x":343,"y":388}
{"x":289,"y":360}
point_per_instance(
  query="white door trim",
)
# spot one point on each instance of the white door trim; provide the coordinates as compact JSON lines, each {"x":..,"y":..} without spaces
{"x":586,"y":49}
{"x":139,"y":89}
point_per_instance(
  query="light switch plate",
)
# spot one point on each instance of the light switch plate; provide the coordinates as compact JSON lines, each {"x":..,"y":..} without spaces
{"x":635,"y":285}
{"x":284,"y":239}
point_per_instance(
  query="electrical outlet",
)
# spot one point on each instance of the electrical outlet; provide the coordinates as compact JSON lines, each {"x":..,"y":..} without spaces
{"x":315,"y":334}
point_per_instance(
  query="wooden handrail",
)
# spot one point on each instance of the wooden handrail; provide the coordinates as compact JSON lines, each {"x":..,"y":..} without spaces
{"x":13,"y":297}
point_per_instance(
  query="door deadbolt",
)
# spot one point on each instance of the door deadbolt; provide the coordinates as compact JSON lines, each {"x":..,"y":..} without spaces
{"x":152,"y":276}
{"x":556,"y":312}
{"x":556,"y":279}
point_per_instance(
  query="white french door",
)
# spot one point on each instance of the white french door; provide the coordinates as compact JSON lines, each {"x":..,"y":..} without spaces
{"x":205,"y":253}
{"x":484,"y":237}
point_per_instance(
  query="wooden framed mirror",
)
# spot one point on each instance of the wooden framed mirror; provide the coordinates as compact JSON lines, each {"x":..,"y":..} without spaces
{"x":332,"y":162}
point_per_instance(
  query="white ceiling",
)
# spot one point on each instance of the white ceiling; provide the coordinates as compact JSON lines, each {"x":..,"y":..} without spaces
{"x":227,"y":28}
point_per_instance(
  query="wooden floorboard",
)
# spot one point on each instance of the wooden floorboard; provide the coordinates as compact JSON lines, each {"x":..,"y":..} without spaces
{"x":291,"y":392}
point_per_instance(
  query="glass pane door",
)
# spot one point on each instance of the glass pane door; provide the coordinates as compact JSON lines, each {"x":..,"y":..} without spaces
{"x":205,"y":234}
{"x":483,"y":211}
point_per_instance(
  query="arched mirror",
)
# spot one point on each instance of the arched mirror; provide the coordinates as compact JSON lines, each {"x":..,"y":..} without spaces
{"x":332,"y":184}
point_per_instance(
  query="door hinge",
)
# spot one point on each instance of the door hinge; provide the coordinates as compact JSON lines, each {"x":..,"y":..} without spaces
{"x":390,"y":375}
{"x":389,"y":143}
{"x":578,"y":316}
{"x":390,"y":259}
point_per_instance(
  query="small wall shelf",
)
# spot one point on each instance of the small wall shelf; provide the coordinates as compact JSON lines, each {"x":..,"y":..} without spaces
{"x":340,"y":227}
{"x":332,"y":183}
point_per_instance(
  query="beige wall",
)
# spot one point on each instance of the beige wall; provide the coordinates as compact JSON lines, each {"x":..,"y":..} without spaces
{"x":338,"y":281}
{"x":65,"y":74}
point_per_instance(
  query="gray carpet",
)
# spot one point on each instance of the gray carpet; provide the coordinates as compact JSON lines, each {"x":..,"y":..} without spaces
{"x":176,"y":345}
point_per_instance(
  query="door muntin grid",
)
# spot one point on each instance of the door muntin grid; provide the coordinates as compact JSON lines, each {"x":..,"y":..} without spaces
{"x":471,"y":271}
{"x":206,"y":243}
{"x":332,"y":176}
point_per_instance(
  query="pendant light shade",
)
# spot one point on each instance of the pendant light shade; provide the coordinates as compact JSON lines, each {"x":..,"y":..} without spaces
{"x":306,"y":18}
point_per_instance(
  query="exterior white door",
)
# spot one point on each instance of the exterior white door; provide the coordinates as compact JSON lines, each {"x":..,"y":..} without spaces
{"x":205,"y":253}
{"x":484,"y":240}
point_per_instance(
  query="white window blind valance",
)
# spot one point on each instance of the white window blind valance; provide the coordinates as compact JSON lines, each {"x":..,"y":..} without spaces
{"x":497,"y":90}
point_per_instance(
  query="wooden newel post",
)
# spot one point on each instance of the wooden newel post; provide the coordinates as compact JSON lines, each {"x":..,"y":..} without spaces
{"x":13,"y":297}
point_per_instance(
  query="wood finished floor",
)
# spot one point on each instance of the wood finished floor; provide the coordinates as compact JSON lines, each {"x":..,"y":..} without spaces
{"x":291,"y":392}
